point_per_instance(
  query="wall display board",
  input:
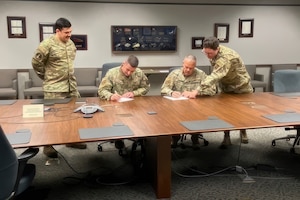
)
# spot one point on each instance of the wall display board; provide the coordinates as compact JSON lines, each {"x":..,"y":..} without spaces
{"x":144,"y":38}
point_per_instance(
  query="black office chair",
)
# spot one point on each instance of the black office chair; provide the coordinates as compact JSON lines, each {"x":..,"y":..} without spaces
{"x":183,"y":136}
{"x":108,"y":66}
{"x":287,"y":81}
{"x":15,"y":174}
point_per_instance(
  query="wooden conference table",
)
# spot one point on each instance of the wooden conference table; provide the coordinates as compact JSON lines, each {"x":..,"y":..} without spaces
{"x":61,"y":125}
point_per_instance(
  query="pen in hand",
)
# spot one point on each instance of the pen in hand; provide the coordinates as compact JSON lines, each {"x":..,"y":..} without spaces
{"x":115,"y":96}
{"x":176,"y":94}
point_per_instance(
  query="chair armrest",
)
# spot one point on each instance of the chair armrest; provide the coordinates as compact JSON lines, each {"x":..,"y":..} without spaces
{"x":27,"y":154}
{"x":259,"y":77}
{"x":14,"y":84}
{"x":28,"y":84}
{"x":97,"y":82}
{"x":22,"y":159}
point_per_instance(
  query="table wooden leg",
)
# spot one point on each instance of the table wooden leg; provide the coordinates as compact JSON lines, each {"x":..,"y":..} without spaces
{"x":158,"y":164}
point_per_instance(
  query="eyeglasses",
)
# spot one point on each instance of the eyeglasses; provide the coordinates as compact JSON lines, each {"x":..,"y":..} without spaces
{"x":209,"y":52}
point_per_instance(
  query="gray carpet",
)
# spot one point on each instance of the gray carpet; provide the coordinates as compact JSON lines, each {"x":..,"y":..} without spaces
{"x":273,"y":172}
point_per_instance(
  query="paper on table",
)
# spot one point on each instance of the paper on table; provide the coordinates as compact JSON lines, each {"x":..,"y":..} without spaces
{"x":175,"y":99}
{"x":124,"y":99}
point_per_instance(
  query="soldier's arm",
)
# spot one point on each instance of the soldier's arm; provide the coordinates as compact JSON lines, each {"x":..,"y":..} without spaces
{"x":104,"y":90}
{"x":166,"y":88}
{"x":39,"y":60}
{"x":144,"y":86}
{"x":220,"y":69}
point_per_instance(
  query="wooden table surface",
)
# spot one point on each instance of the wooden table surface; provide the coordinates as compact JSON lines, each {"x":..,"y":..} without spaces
{"x":60,"y":125}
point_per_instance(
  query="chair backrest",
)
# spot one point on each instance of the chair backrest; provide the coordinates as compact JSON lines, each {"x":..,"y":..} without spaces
{"x":36,"y":81}
{"x":108,"y":66}
{"x":251,"y":69}
{"x":283,"y":66}
{"x":173,"y":68}
{"x":6,"y":77}
{"x":86,"y":76}
{"x":206,"y":69}
{"x":287,"y":81}
{"x":8,"y":167}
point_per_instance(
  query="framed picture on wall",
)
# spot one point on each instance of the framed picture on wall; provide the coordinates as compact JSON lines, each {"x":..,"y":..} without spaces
{"x":246,"y":27}
{"x":80,"y":41}
{"x":46,"y":30}
{"x":197,"y":42}
{"x":222,"y":32}
{"x":16,"y":27}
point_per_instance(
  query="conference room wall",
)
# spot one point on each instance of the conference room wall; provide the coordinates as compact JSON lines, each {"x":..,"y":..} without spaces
{"x":276,"y":30}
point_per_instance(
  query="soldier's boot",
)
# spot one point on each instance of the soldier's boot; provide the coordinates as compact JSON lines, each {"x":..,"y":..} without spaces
{"x":50,"y":152}
{"x":226,"y":141}
{"x":244,"y":137}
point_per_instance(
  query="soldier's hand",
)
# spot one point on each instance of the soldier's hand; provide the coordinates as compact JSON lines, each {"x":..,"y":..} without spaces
{"x":128,"y":95}
{"x":176,"y":94}
{"x":115,"y":97}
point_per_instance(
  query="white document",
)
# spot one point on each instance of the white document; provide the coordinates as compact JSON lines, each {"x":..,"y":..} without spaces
{"x":36,"y":110}
{"x":124,"y":99}
{"x":175,"y":99}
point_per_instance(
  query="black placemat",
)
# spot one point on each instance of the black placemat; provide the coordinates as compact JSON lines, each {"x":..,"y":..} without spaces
{"x":20,"y":137}
{"x":208,"y":124}
{"x":7,"y":102}
{"x":284,"y":117}
{"x":105,"y":132}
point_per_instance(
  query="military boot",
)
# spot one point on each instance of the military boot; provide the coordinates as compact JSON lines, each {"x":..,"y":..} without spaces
{"x":244,"y":137}
{"x":226,"y":141}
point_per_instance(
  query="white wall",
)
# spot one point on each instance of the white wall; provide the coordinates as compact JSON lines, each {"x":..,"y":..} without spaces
{"x":276,"y":30}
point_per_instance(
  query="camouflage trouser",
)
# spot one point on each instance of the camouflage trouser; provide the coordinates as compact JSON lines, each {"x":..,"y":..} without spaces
{"x":61,"y":95}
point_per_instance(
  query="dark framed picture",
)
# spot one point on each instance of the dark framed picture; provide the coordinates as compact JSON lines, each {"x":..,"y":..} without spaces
{"x":143,"y":38}
{"x":197,"y":42}
{"x":16,"y":27}
{"x":80,"y":41}
{"x":46,"y":30}
{"x":222,"y":32}
{"x":246,"y":27}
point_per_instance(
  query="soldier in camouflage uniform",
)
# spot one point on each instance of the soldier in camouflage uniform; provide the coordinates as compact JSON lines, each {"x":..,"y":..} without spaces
{"x":127,"y":81}
{"x":53,"y":62}
{"x":229,"y":72}
{"x":186,"y":82}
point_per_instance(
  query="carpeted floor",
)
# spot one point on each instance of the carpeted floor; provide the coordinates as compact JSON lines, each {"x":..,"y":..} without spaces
{"x":250,"y":171}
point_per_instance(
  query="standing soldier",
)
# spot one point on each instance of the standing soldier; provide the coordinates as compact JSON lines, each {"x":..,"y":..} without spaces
{"x":53,"y":62}
{"x":229,"y":72}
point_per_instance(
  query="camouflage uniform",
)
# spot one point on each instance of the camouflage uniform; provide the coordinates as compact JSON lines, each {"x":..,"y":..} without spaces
{"x":53,"y":62}
{"x":116,"y":82}
{"x":229,"y":71}
{"x":176,"y":81}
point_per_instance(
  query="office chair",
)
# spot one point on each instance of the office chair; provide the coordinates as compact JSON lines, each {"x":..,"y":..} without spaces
{"x":257,"y":80}
{"x":108,"y":66}
{"x":15,"y":174}
{"x":287,"y":81}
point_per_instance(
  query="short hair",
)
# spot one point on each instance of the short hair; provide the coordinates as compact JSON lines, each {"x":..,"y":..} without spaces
{"x":211,"y":43}
{"x":191,"y":57}
{"x":62,"y":23}
{"x":133,"y":61}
